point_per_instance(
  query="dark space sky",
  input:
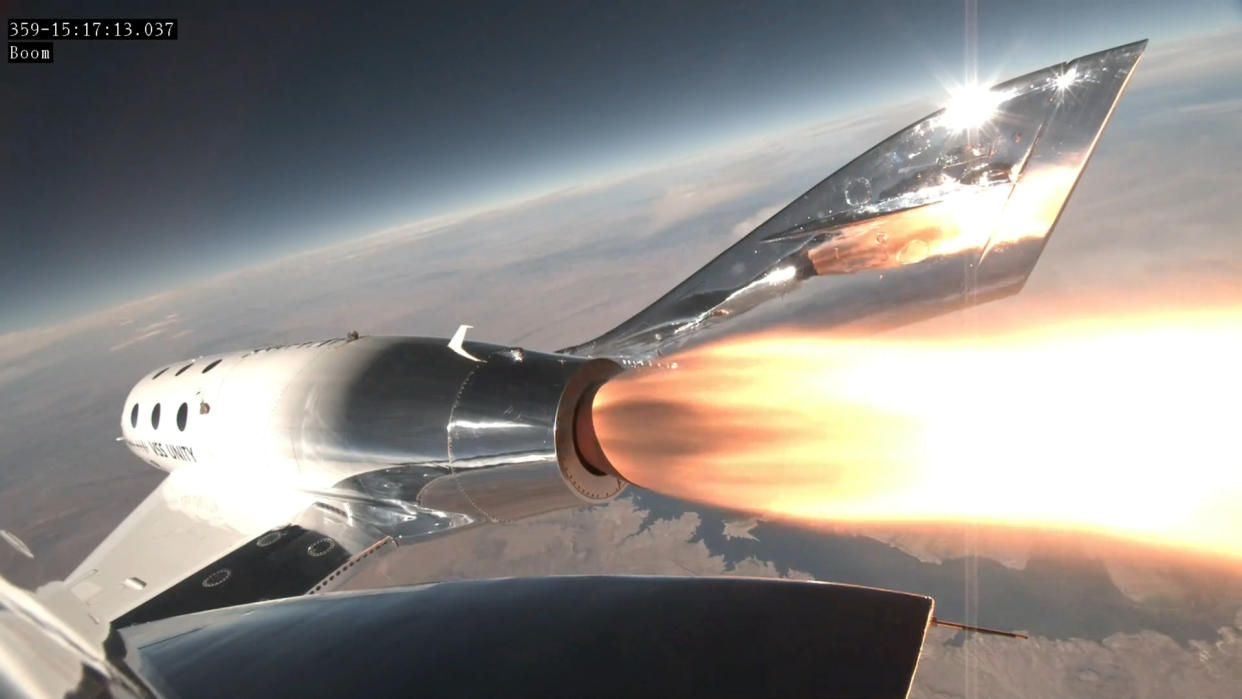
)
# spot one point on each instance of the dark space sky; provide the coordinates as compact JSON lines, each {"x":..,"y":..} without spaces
{"x":134,"y":167}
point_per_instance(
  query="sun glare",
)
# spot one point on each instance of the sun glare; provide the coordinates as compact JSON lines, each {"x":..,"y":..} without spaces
{"x":1066,"y":79}
{"x":971,"y":107}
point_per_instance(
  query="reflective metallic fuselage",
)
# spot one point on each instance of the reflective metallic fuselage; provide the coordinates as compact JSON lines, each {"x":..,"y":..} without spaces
{"x":401,"y":432}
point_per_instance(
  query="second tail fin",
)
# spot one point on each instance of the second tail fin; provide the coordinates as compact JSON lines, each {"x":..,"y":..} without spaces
{"x":952,"y":210}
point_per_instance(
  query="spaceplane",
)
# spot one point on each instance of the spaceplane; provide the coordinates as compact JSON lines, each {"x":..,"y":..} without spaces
{"x":290,"y":466}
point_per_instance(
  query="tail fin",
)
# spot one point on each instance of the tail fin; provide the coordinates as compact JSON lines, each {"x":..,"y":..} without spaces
{"x":952,"y":210}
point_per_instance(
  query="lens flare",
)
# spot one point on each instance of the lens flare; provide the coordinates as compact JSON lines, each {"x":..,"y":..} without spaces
{"x":971,"y":106}
{"x":1126,"y":426}
{"x":1066,"y":79}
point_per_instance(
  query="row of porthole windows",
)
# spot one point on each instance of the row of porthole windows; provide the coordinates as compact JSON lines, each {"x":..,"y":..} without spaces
{"x":206,"y":369}
{"x":183,"y":412}
{"x":183,"y":415}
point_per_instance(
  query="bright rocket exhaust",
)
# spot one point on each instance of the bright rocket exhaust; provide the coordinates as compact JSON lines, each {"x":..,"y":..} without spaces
{"x":1122,"y":427}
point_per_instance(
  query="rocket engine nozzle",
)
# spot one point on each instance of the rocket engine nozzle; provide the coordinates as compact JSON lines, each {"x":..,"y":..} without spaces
{"x":586,"y":442}
{"x":520,"y":436}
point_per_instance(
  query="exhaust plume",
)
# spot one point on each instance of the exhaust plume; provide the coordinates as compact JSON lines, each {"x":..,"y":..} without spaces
{"x":1125,"y":426}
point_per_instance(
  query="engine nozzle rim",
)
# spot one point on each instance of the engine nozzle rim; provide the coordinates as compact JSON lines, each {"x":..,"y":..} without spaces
{"x":586,"y":441}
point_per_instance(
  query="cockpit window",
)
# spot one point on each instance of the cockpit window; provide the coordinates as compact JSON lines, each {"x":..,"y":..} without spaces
{"x":133,"y":416}
{"x":182,"y":413}
{"x":187,"y":366}
{"x":211,"y":366}
{"x":155,"y":417}
{"x":161,"y":371}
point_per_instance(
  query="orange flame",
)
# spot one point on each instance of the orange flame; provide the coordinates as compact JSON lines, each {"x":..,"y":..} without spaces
{"x":963,"y":220}
{"x":1124,"y":427}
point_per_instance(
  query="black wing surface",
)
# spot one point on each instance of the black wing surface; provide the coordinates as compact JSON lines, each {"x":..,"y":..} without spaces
{"x":547,"y":637}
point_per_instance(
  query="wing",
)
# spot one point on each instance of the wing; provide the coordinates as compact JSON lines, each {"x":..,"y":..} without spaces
{"x":550,"y":637}
{"x":202,"y":541}
{"x":546,"y":637}
{"x":952,"y":210}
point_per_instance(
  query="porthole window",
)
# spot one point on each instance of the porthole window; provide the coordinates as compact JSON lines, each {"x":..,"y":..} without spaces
{"x":161,"y":371}
{"x":133,"y":416}
{"x":155,"y":417}
{"x":182,"y":369}
{"x":211,"y":366}
{"x":182,"y":413}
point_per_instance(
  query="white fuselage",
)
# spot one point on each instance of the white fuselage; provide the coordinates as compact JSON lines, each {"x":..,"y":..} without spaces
{"x":235,"y":413}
